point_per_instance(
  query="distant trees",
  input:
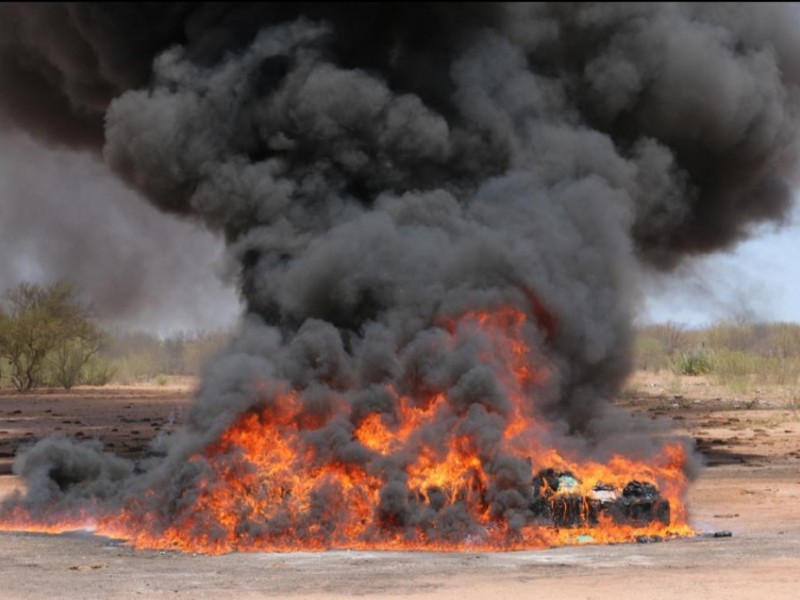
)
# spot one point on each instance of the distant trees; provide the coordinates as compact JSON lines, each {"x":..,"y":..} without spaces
{"x":48,"y":337}
{"x":138,"y":356}
{"x":46,"y":326}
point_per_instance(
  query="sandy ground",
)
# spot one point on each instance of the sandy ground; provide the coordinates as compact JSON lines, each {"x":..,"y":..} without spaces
{"x":751,"y":487}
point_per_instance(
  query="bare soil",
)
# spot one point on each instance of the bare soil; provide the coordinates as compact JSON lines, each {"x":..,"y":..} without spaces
{"x":750,"y":486}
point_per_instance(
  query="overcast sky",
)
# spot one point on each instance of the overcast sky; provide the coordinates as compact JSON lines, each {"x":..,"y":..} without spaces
{"x":63,"y":215}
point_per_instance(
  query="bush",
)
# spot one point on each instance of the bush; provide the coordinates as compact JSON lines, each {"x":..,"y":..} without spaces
{"x":97,"y":372}
{"x":693,"y":362}
{"x":46,"y":334}
{"x":48,"y":337}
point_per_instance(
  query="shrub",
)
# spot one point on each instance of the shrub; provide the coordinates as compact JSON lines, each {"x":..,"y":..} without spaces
{"x":97,"y":372}
{"x":693,"y":362}
{"x":46,"y":334}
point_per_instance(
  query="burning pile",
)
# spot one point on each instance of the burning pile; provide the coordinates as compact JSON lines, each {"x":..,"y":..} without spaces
{"x":411,"y":472}
{"x":558,"y":499}
{"x":441,"y":216}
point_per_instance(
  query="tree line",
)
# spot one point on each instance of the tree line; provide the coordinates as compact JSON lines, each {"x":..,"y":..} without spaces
{"x":49,"y":337}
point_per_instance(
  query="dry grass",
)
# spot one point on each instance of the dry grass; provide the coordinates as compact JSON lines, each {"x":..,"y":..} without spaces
{"x":746,"y":358}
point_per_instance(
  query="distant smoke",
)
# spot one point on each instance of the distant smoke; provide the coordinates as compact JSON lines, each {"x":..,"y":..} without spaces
{"x":376,"y":168}
{"x":64,"y":215}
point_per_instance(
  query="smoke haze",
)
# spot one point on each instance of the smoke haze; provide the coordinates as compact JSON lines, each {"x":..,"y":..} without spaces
{"x":65,"y":216}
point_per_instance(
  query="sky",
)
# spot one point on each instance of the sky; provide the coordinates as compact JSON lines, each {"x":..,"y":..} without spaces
{"x":758,"y":280}
{"x":64,"y":215}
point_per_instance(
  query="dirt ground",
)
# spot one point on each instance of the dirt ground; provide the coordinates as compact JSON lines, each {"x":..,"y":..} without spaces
{"x":751,"y":487}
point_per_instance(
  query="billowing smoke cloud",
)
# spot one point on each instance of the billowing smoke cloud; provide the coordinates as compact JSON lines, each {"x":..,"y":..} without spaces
{"x":379,"y":168}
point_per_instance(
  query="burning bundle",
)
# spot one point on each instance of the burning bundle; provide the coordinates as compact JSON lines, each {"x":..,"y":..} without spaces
{"x":558,"y":500}
{"x":441,"y":217}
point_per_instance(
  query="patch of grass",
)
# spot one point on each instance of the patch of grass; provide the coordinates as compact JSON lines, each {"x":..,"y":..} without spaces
{"x":651,"y":354}
{"x":748,"y":369}
{"x":162,"y":380}
{"x":694,"y":362}
{"x":735,"y":369}
{"x":746,"y":358}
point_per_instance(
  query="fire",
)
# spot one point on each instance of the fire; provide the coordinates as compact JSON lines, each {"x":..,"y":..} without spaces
{"x":416,"y":477}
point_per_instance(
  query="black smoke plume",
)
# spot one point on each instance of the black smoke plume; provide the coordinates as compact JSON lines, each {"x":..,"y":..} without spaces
{"x":378,"y":167}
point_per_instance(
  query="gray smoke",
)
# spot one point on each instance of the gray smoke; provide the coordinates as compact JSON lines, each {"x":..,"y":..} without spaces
{"x":378,"y":168}
{"x":64,"y":215}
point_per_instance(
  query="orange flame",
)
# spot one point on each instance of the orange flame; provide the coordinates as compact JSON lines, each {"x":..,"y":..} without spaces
{"x":263,"y":486}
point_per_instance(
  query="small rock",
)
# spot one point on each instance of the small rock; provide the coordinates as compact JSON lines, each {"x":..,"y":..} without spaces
{"x":723,"y":534}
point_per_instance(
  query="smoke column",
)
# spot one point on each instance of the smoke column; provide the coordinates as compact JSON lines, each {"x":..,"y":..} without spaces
{"x":377,"y":169}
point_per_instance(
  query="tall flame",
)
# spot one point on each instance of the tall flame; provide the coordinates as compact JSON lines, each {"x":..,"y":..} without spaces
{"x":262,"y":486}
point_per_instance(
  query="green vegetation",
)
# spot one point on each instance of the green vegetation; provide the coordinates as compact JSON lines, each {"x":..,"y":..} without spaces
{"x":46,"y":334}
{"x":692,"y":362}
{"x":48,"y":337}
{"x":736,"y":354}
